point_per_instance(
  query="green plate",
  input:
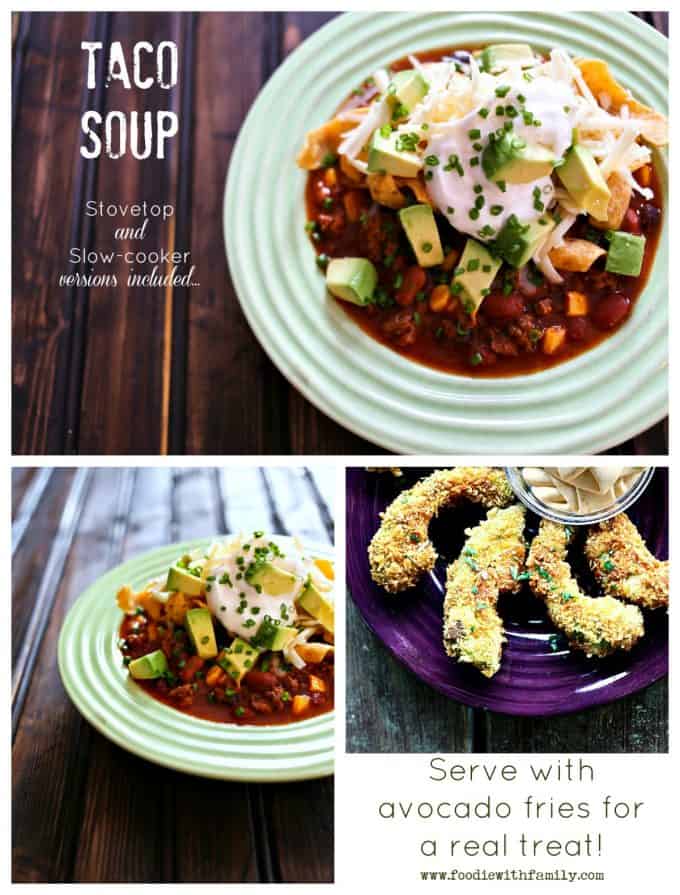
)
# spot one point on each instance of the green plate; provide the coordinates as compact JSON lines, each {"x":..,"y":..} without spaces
{"x":96,"y":680}
{"x":584,"y":405}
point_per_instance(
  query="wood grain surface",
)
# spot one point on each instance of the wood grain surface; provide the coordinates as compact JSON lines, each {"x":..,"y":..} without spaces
{"x":85,"y":810}
{"x":116,"y":371}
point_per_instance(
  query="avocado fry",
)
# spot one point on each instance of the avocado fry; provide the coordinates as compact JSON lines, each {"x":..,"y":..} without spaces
{"x":492,"y":561}
{"x":401,"y":551}
{"x":598,"y":626}
{"x":624,"y":566}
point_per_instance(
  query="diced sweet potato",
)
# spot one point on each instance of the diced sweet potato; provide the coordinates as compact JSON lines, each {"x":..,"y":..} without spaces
{"x":300,"y":704}
{"x":577,"y":304}
{"x":215,"y":677}
{"x":553,"y":339}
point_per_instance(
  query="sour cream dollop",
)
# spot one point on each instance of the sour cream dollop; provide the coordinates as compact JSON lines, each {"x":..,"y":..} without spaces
{"x":544,"y":115}
{"x":235,"y":602}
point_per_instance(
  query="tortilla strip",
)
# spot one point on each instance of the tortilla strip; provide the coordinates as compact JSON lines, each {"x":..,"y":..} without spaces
{"x":385,"y":191}
{"x":603,"y":85}
{"x":417,"y":187}
{"x":351,"y":172}
{"x":322,"y":141}
{"x":621,"y":192}
{"x":576,"y":255}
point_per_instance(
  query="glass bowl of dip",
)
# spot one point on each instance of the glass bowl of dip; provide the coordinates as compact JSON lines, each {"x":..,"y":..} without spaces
{"x":526,"y":495}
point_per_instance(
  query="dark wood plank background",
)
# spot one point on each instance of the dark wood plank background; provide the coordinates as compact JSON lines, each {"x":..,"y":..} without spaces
{"x":107,"y":371}
{"x":85,"y":810}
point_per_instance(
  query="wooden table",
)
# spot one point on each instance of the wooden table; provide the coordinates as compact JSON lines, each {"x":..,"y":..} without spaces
{"x":145,"y":371}
{"x":85,"y":810}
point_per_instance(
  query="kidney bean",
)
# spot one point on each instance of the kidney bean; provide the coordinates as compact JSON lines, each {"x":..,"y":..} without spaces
{"x":576,"y":328}
{"x":649,"y":217}
{"x":631,"y":222}
{"x":260,"y":680}
{"x":503,"y":307}
{"x":413,"y":282}
{"x":610,"y":311}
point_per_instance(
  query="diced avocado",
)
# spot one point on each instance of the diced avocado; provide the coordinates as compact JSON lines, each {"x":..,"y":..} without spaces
{"x":199,"y":624}
{"x":273,"y":636}
{"x":509,"y":158}
{"x":474,"y":275}
{"x":498,"y":57}
{"x":406,"y":89}
{"x":317,"y":604}
{"x":626,"y":253}
{"x":238,"y":659}
{"x":352,"y":279}
{"x":584,"y":182}
{"x":516,"y":243}
{"x":271,"y":579}
{"x":148,"y":667}
{"x":421,"y":228}
{"x":385,"y":158}
{"x":181,"y":579}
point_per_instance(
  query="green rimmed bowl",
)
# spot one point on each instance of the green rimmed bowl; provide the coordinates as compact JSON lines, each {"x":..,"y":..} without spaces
{"x":99,"y":685}
{"x":584,"y":405}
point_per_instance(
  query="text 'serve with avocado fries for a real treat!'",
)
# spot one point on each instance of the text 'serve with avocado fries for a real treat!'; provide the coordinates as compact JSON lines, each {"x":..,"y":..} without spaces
{"x":491,"y":212}
{"x":240,"y":633}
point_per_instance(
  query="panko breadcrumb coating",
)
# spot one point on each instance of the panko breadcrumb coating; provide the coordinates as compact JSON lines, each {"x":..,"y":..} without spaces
{"x":623,"y":565}
{"x":492,"y":561}
{"x":401,"y":551}
{"x":598,"y":626}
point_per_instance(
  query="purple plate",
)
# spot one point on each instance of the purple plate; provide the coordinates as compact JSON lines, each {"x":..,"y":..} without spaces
{"x":539,"y":675}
